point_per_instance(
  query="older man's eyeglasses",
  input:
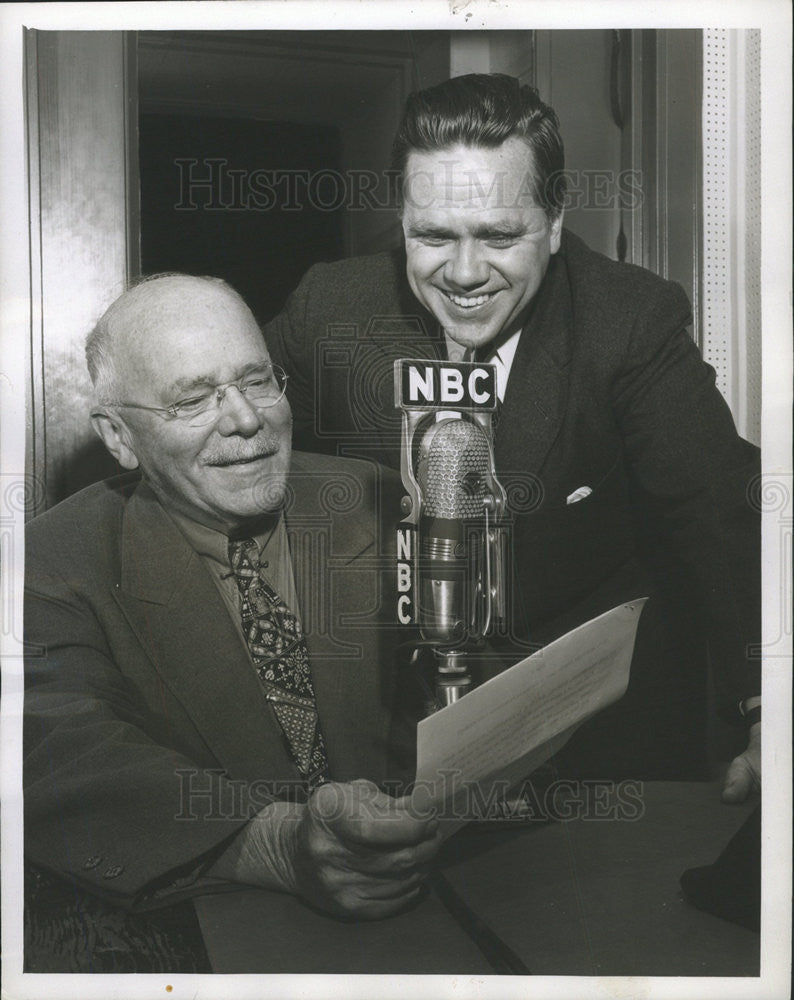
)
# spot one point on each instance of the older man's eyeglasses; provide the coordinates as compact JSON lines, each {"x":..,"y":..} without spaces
{"x":262,"y":388}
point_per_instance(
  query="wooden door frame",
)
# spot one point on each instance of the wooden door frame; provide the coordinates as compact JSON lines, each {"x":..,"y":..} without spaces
{"x":57,"y":172}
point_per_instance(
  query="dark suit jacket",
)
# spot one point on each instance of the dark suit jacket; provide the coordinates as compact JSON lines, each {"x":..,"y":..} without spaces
{"x":139,"y":690}
{"x":607,"y":390}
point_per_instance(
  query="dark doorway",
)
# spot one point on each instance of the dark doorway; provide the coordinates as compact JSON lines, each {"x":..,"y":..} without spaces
{"x":249,"y":201}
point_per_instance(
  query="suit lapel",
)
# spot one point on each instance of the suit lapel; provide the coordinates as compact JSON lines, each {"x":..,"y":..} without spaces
{"x":324,"y":545}
{"x":336,"y":579}
{"x":537,"y":390}
{"x":180,"y":619}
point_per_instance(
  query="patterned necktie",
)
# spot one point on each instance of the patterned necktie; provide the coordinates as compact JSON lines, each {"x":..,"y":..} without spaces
{"x":275,"y":641}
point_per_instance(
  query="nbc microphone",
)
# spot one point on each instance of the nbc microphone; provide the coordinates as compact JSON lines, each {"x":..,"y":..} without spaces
{"x":455,"y":538}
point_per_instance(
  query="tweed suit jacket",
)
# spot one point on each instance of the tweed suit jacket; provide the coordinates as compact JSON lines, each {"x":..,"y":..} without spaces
{"x":607,"y":391}
{"x":147,"y":736}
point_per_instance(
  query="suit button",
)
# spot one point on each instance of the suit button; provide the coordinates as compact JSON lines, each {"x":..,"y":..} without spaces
{"x":113,"y":871}
{"x":92,"y":862}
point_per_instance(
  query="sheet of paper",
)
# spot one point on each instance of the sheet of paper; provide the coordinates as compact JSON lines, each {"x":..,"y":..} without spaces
{"x":474,"y":751}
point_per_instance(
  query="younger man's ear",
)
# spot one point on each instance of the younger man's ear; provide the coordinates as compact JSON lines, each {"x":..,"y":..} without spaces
{"x":116,"y":436}
{"x":556,"y":232}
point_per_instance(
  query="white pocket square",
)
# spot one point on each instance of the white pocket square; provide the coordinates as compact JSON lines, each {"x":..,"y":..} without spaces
{"x":580,"y":494}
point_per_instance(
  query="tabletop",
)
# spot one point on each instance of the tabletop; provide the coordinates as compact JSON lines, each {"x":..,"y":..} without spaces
{"x":594,"y":892}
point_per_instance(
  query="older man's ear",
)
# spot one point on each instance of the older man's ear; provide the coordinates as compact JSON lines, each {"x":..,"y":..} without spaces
{"x":116,"y":436}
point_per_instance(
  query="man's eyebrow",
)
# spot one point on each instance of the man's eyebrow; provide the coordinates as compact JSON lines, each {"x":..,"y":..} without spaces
{"x":208,"y":381}
{"x":500,"y":229}
{"x":484,"y":232}
{"x":428,"y":229}
{"x":194,"y":382}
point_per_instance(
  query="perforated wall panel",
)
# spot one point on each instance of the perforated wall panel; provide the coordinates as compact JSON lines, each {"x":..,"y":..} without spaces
{"x":752,"y":186}
{"x":717,"y":211}
{"x":731,"y":276}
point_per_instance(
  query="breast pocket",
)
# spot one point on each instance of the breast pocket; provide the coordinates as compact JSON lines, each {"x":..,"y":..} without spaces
{"x":596,"y":514}
{"x":606,"y":490}
{"x":566,"y":548}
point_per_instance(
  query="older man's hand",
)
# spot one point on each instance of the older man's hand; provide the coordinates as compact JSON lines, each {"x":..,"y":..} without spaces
{"x":744,"y":774}
{"x":359,"y":853}
{"x":351,"y":850}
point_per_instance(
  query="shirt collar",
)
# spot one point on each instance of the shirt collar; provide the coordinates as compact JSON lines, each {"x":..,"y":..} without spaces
{"x":503,"y":358}
{"x":214,"y":544}
{"x":506,"y":351}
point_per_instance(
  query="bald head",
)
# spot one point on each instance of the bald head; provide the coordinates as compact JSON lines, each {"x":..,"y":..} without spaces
{"x":134,"y":330}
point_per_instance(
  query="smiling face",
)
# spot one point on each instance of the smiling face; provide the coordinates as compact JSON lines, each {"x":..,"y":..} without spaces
{"x":190,"y":335}
{"x":477,"y":242}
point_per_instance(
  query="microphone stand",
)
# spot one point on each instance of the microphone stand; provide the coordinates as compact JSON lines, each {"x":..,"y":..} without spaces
{"x":453,"y":676}
{"x":453,"y":663}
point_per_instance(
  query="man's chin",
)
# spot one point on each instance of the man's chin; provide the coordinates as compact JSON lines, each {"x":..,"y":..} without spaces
{"x":470,"y":336}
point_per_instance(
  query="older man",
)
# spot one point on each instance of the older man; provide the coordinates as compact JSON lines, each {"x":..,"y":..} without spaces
{"x":624,"y":471}
{"x":182,"y":724}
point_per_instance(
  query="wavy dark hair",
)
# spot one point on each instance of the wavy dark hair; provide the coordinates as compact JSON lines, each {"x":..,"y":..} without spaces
{"x":485,"y":109}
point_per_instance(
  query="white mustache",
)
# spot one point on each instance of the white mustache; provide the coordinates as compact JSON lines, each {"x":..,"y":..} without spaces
{"x":261,"y":449}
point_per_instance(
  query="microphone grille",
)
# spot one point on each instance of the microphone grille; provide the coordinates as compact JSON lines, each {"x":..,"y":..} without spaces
{"x":454,"y":468}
